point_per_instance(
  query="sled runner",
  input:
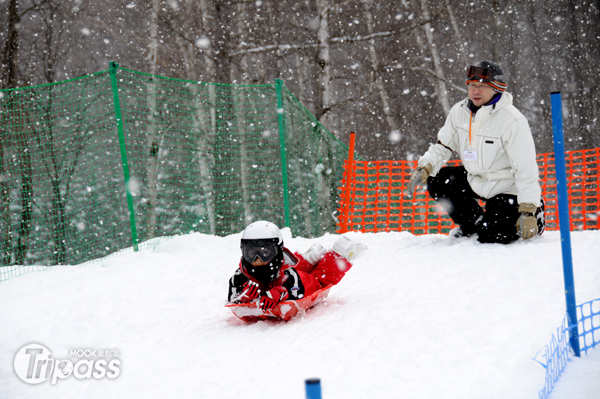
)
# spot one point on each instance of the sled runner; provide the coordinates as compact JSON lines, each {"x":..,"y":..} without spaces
{"x":250,"y":312}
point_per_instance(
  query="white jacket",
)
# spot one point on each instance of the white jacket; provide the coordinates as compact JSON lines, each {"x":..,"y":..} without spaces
{"x":500,"y":155}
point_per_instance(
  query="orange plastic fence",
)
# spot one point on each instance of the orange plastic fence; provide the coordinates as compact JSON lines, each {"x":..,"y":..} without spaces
{"x":373,"y":196}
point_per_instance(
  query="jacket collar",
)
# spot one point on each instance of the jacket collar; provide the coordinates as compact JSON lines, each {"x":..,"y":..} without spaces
{"x":493,"y":101}
{"x":499,"y":102}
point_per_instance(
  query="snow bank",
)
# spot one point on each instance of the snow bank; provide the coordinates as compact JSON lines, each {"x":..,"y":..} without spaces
{"x":416,"y":317}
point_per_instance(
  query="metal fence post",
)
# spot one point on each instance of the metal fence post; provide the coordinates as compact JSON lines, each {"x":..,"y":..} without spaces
{"x":282,"y":134}
{"x":313,"y":388}
{"x":113,"y":66}
{"x":345,"y":216}
{"x":563,"y":216}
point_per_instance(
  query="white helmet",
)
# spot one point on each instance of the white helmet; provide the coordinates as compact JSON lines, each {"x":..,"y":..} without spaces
{"x":262,"y":240}
{"x":262,"y":230}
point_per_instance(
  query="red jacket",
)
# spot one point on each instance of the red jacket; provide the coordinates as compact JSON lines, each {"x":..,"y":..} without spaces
{"x":296,"y":275}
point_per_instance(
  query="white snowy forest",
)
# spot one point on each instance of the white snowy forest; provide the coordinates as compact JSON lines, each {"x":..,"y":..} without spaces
{"x":384,"y":68}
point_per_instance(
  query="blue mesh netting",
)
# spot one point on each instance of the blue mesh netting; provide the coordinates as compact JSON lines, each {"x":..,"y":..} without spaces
{"x":556,"y":354}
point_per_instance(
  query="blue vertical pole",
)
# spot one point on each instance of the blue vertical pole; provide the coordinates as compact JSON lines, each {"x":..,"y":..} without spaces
{"x":565,"y":222}
{"x":313,"y":388}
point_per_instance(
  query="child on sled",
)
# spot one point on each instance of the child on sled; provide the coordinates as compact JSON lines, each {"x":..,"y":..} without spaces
{"x":270,"y":273}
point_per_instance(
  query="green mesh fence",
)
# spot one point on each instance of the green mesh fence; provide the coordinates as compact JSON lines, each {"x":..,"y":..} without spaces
{"x":109,"y":161}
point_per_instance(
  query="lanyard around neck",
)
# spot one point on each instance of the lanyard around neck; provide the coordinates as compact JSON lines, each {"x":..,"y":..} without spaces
{"x":470,"y":122}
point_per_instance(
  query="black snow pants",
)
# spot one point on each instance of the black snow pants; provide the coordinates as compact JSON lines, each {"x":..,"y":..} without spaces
{"x":494,"y":224}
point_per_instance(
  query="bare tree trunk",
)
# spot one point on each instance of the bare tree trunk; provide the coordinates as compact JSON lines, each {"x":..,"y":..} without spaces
{"x":228,"y":150}
{"x":221,"y":41}
{"x":375,"y":65}
{"x":205,"y":144}
{"x":440,"y":86}
{"x":6,"y":231}
{"x":57,"y":201}
{"x":205,"y":157}
{"x":581,"y":90}
{"x":301,"y":72}
{"x":26,"y":195}
{"x":324,"y":61}
{"x":11,"y":49}
{"x":540,"y":83}
{"x":152,"y":141}
{"x":240,"y":104}
{"x":496,"y":31}
{"x":459,"y":39}
{"x":58,"y":219}
{"x":9,"y":80}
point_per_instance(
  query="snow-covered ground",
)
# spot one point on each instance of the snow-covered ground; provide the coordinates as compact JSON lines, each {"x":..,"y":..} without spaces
{"x":416,"y":317}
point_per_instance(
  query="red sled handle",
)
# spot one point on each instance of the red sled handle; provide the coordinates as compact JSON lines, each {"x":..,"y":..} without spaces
{"x":285,"y":310}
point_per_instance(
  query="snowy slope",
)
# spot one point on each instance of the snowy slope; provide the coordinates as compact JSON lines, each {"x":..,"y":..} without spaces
{"x":416,"y":317}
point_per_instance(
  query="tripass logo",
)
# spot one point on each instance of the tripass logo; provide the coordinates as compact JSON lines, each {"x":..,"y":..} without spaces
{"x":34,"y":364}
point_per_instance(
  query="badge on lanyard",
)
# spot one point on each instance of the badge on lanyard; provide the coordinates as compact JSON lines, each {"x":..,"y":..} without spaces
{"x":470,"y":156}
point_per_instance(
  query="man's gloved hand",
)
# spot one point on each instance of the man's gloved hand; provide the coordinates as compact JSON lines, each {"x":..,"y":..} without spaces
{"x":250,"y":291}
{"x":314,"y":254}
{"x":419,"y":177}
{"x":273,"y":297}
{"x":527,"y":223}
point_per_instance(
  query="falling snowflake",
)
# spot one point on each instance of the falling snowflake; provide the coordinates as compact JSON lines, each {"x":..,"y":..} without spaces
{"x":394,"y":136}
{"x":173,"y":4}
{"x":202,"y":42}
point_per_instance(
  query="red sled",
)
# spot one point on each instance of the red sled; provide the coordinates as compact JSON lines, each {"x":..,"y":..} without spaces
{"x":250,"y":312}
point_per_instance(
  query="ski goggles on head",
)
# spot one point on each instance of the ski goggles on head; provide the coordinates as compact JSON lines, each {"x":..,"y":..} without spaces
{"x":265,"y":250}
{"x":479,"y":73}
